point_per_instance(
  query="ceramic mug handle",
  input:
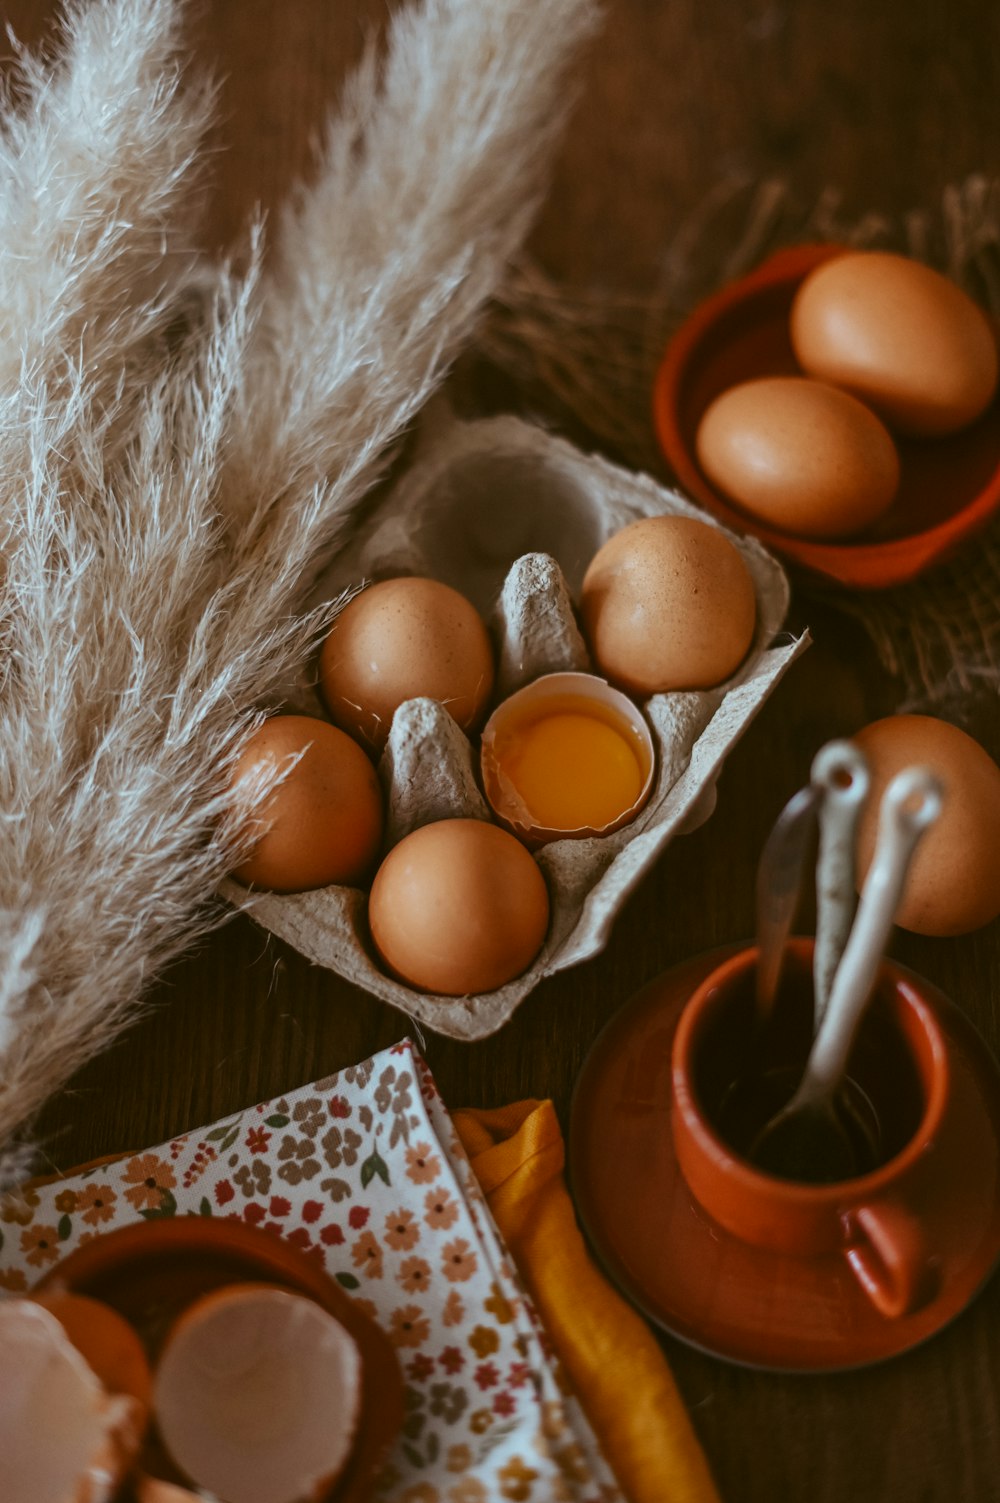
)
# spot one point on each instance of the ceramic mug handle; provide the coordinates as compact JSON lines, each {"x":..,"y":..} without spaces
{"x":888,"y":1254}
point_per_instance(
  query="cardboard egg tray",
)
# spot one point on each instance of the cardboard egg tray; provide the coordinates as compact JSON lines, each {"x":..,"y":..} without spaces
{"x":511,"y":516}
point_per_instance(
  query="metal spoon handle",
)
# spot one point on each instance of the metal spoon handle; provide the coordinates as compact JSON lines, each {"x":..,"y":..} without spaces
{"x":841,"y":771}
{"x":911,"y":804}
{"x":779,"y":884}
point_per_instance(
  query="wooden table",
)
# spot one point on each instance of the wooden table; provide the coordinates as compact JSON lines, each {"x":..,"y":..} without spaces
{"x":887,"y":102}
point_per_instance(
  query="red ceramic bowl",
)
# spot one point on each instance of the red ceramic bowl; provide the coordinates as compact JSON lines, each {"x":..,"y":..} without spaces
{"x":949,"y":487}
{"x":152,"y":1271}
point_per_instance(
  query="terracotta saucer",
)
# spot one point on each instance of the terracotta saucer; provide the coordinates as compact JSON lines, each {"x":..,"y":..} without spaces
{"x":746,"y":1304}
{"x":150,"y":1272}
{"x":949,"y":487}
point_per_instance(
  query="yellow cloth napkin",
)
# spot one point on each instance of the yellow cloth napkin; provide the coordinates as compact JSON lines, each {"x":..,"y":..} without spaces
{"x":609,"y":1354}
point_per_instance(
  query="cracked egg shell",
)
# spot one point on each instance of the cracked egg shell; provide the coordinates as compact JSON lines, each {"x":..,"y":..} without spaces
{"x":566,"y":757}
{"x":155,"y":1490}
{"x":105,"y":1339}
{"x":403,"y":639}
{"x":257,"y":1395}
{"x":64,"y":1436}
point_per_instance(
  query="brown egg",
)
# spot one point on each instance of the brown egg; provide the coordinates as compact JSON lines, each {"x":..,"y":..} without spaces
{"x":402,"y":639}
{"x":324,"y":820}
{"x":898,"y":335}
{"x":800,"y":455}
{"x":458,"y":907}
{"x":954,"y":882}
{"x":668,"y":603}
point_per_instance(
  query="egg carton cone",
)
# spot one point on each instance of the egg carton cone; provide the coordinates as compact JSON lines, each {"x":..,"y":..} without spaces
{"x":511,"y":516}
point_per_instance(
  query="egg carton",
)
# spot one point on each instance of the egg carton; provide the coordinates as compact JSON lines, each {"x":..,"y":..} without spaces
{"x":511,"y":516}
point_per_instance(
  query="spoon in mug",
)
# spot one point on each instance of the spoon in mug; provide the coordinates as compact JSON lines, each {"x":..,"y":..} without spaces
{"x":838,"y":787}
{"x":779,"y":884}
{"x":808,"y":1139}
{"x":840,"y":771}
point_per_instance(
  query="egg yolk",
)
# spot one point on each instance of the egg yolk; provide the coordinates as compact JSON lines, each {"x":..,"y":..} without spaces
{"x":571,"y":770}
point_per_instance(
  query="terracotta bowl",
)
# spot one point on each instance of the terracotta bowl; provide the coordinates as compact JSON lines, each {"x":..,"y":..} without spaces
{"x":949,"y":487}
{"x":150,"y":1272}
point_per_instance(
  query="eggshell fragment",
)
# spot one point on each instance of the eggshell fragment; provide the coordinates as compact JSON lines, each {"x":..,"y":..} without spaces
{"x":954,"y":881}
{"x":105,"y":1340}
{"x":898,"y":335}
{"x":155,"y":1490}
{"x":258,"y":1395}
{"x":799,"y":455}
{"x":405,"y":639}
{"x":323,"y":821}
{"x":63,"y":1437}
{"x":566,"y":756}
{"x":458,"y":907}
{"x":668,"y":603}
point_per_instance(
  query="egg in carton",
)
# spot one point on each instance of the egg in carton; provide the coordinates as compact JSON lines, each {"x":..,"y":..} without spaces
{"x":511,"y":515}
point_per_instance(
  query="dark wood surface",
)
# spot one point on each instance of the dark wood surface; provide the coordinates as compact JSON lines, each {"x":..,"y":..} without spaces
{"x":887,"y":102}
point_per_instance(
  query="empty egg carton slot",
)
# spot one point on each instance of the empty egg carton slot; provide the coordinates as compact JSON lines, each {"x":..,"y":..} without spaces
{"x":511,"y":516}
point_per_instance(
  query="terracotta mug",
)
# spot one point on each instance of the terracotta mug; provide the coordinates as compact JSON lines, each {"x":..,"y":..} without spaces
{"x":729,"y":1077}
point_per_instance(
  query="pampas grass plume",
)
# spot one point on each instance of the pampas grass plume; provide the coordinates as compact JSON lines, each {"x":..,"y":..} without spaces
{"x":166,"y":514}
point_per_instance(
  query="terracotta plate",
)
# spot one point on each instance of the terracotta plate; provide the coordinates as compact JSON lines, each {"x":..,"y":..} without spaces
{"x":150,"y":1272}
{"x":739,"y":1302}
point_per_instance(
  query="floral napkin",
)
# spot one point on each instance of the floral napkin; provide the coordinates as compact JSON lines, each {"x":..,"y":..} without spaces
{"x":363,"y":1171}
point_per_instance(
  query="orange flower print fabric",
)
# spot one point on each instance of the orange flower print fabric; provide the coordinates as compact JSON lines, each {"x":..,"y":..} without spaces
{"x":454,"y":1309}
{"x":422,"y":1167}
{"x":366,"y":1254}
{"x":148,"y":1182}
{"x":408,"y":1326}
{"x":415,"y":1275}
{"x":40,"y":1245}
{"x":440,"y":1209}
{"x":363,"y":1173}
{"x":95,"y":1203}
{"x":458,"y":1261}
{"x":401,"y":1231}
